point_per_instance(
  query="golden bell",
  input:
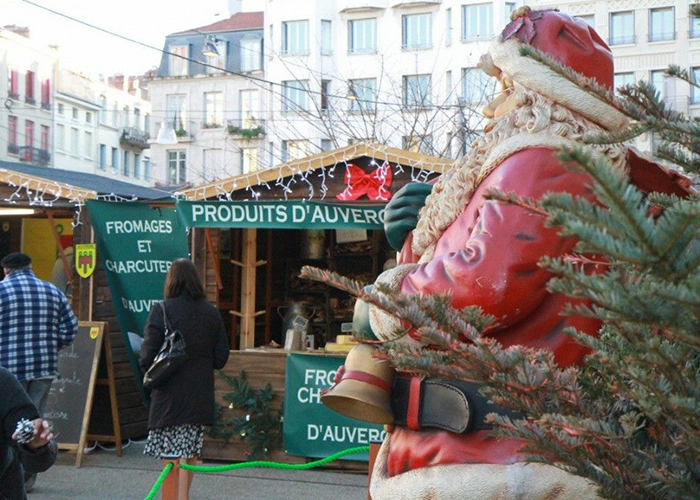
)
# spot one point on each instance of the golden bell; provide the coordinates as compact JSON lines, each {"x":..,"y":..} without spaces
{"x":363,"y":387}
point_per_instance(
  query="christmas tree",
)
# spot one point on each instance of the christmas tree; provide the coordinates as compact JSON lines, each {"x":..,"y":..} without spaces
{"x":629,"y":419}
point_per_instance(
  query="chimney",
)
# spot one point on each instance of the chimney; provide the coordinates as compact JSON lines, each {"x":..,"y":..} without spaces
{"x":234,"y":7}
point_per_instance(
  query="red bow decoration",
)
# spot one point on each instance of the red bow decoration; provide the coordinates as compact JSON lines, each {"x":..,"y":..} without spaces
{"x":373,"y":185}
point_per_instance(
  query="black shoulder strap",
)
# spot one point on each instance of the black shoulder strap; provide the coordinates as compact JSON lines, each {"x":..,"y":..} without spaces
{"x":165,"y":318}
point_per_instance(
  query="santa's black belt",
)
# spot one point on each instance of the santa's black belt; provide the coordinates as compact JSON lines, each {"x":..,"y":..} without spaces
{"x":450,"y":405}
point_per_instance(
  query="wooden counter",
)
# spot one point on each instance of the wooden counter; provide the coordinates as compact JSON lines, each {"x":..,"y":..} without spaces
{"x":261,"y":367}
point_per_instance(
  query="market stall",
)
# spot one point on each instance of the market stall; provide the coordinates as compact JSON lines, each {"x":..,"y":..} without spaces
{"x":253,"y":233}
{"x":43,"y":213}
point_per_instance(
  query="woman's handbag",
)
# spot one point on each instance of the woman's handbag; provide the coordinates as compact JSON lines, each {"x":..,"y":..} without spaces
{"x":169,"y":359}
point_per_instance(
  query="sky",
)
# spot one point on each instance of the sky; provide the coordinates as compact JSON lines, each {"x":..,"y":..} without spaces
{"x":92,"y":52}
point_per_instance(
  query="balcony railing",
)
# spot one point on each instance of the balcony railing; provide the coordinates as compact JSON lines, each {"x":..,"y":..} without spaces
{"x":30,"y":100}
{"x":622,"y":40}
{"x":246,"y":128}
{"x":35,"y":156}
{"x":134,"y":137}
{"x":661,"y":37}
{"x":13,"y":95}
{"x":46,"y":105}
{"x":12,"y":149}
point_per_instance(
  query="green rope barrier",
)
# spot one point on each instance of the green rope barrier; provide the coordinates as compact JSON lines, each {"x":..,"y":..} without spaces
{"x":274,"y":465}
{"x":159,"y":481}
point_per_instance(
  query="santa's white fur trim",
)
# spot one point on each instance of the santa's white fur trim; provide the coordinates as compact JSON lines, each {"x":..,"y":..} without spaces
{"x":518,"y":481}
{"x":385,"y":325}
{"x":538,"y":77}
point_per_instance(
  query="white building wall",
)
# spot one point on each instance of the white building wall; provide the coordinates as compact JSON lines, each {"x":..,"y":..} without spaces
{"x":22,"y":54}
{"x":388,"y":65}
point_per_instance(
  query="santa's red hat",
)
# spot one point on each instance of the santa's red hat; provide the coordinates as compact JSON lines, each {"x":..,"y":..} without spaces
{"x":568,"y":40}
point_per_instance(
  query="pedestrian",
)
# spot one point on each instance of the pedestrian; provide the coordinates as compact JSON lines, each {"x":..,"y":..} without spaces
{"x":183,"y":404}
{"x":37,"y":455}
{"x":36,"y":321}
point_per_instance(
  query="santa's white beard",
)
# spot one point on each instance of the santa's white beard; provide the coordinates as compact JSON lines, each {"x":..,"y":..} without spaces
{"x":535,"y":120}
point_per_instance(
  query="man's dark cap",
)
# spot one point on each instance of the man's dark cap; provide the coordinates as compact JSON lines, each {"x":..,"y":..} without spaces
{"x":16,"y":260}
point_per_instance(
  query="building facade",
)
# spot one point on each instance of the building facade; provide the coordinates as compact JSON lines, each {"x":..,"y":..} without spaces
{"x":27,"y":74}
{"x":209,"y":89}
{"x":396,"y":72}
{"x":646,"y":36}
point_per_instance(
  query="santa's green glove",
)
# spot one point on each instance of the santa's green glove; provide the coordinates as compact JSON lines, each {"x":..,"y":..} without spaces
{"x":401,"y":213}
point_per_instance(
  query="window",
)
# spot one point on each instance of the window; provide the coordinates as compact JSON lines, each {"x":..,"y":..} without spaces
{"x":249,"y":108}
{"x":60,"y":110}
{"x":417,"y":31}
{"x":88,"y":117}
{"x":694,"y":27}
{"x":125,"y":163}
{"x":75,"y":113}
{"x":477,"y":21}
{"x":137,"y":118}
{"x":115,"y":160}
{"x":46,"y":94}
{"x":12,"y":146}
{"x":216,"y":63}
{"x":589,"y":19}
{"x":147,"y":123}
{"x":29,"y":87}
{"x":325,"y":92}
{"x":137,"y":166}
{"x":448,"y":87}
{"x":74,"y":145}
{"x":362,"y":36}
{"x":45,"y":137}
{"x":251,"y":55}
{"x":662,"y":24}
{"x":175,"y":112}
{"x":448,"y":26}
{"x":28,"y":139}
{"x":177,"y":167}
{"x":660,"y":82}
{"x":293,"y":150}
{"x":509,"y":8}
{"x":13,"y":84}
{"x":416,"y":91}
{"x":418,"y":144}
{"x":364,"y":94}
{"x":211,"y":164}
{"x":87,"y":151}
{"x":115,"y":114}
{"x":623,"y":79}
{"x":326,"y":38}
{"x":147,"y":168}
{"x":326,"y":144}
{"x":103,"y":109}
{"x":478,"y":87}
{"x":622,"y":28}
{"x":125,"y":117}
{"x":103,"y":157}
{"x":295,"y":37}
{"x":249,"y":158}
{"x":178,"y":65}
{"x":213,"y":109}
{"x":60,"y":137}
{"x":695,"y":92}
{"x":294,"y":95}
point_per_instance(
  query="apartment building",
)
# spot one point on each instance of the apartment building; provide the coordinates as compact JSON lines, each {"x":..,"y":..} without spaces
{"x":209,"y":90}
{"x":27,"y":73}
{"x":646,"y":36}
{"x":398,"y":72}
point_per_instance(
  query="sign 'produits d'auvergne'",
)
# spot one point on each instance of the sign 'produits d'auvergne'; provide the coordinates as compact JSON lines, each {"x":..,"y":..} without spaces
{"x":136,"y":245}
{"x":280,"y":215}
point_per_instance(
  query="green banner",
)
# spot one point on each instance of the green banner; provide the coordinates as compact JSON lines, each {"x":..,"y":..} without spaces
{"x":280,"y":215}
{"x":311,"y":429}
{"x":136,"y":245}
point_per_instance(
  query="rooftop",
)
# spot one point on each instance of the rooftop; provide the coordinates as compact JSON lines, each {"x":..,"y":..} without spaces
{"x":101,"y":185}
{"x":237,"y":22}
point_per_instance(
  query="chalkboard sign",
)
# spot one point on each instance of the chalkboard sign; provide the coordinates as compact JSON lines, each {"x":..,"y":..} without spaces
{"x":69,"y":401}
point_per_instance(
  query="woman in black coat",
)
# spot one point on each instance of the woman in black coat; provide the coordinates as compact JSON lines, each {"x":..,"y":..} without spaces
{"x":183,"y":404}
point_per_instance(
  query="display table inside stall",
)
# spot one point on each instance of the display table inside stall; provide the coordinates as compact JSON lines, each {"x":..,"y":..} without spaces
{"x":312,"y":431}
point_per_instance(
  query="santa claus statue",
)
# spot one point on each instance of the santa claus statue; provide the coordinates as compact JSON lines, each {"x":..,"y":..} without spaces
{"x":486,"y":254}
